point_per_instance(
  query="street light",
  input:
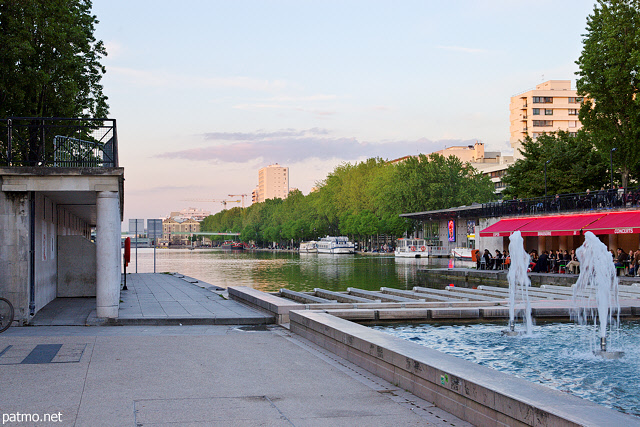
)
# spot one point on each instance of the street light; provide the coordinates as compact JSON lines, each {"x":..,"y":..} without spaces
{"x":611,"y":166}
{"x":545,"y":178}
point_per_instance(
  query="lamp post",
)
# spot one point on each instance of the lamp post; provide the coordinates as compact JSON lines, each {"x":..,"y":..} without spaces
{"x":545,"y":179}
{"x":611,"y":166}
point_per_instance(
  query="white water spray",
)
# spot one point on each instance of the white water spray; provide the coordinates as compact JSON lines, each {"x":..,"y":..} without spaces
{"x":597,"y":281}
{"x":519,"y":284}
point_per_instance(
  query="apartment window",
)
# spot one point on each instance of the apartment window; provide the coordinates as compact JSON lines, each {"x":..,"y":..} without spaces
{"x":576,"y":100}
{"x":548,"y":112}
{"x":536,"y":111}
{"x":542,"y":123}
{"x":535,"y":135}
{"x":543,"y":100}
{"x":573,"y":111}
{"x":573,"y":133}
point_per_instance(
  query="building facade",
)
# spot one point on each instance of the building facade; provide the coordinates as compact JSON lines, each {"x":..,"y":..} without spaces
{"x":50,"y":205}
{"x":273,"y":183}
{"x":550,"y":107}
{"x":190,"y":213}
{"x":177,"y":231}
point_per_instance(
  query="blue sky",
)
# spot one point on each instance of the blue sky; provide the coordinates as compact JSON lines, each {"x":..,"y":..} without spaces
{"x":207,"y":92}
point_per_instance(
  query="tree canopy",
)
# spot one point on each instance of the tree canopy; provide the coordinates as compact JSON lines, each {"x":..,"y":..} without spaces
{"x":573,"y":166}
{"x":609,"y":78}
{"x":359,"y":200}
{"x":50,"y":60}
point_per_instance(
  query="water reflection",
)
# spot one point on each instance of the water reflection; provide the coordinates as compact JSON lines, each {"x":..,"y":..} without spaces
{"x":270,"y":271}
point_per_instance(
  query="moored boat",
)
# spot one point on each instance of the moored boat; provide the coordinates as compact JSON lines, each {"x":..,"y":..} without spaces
{"x":309,"y":247}
{"x":461,"y":253}
{"x":231,"y":245}
{"x":411,"y":248}
{"x":335,"y":245}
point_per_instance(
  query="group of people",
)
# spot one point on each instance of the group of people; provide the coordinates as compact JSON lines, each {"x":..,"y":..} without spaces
{"x":497,"y":262}
{"x":621,"y":259}
{"x":552,"y":261}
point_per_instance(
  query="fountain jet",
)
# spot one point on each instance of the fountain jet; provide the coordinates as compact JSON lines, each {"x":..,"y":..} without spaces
{"x":519,"y":283}
{"x":597,"y":277}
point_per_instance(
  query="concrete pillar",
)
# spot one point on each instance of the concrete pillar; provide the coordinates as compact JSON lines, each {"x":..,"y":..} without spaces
{"x":542,"y":244}
{"x":613,"y":242}
{"x":563,"y":243}
{"x":107,"y":254}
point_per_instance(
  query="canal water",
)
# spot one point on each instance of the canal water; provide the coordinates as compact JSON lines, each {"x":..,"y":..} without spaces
{"x":271,"y":270}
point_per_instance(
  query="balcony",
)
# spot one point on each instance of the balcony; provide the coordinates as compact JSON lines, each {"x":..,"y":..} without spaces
{"x":58,"y":142}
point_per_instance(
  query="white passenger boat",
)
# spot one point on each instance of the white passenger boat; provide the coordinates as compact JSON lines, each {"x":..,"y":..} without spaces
{"x":411,"y":248}
{"x":461,"y":253}
{"x":335,"y":245}
{"x":310,"y":247}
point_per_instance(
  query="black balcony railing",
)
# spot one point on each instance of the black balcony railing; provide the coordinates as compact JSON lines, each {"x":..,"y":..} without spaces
{"x":58,"y":142}
{"x":616,"y":198}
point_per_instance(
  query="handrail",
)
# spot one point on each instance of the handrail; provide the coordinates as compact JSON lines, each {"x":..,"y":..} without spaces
{"x":58,"y":142}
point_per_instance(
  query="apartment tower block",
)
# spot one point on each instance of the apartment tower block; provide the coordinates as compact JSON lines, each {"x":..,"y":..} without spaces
{"x":273,"y":183}
{"x":550,"y":107}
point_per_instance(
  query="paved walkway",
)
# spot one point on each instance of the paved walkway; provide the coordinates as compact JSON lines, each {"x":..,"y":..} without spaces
{"x":193,"y":376}
{"x":156,"y":299}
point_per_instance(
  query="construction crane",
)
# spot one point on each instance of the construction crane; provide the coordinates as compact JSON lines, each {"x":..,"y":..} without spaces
{"x":224,"y":202}
{"x":239,"y":195}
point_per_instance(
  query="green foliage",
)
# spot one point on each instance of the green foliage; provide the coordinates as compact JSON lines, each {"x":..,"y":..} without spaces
{"x":360,"y":200}
{"x":427,"y":183}
{"x":575,"y":166}
{"x":609,"y":77}
{"x":50,"y":60}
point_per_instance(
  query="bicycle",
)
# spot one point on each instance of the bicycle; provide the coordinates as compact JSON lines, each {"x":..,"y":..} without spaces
{"x":6,"y":314}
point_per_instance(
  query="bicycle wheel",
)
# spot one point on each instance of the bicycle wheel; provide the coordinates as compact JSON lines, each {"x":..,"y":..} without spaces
{"x":6,"y":314}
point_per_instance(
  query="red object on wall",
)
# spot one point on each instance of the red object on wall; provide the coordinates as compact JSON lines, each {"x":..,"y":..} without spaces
{"x":127,"y":250}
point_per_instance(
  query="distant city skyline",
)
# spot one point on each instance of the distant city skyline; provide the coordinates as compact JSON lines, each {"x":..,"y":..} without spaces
{"x":207,"y":93}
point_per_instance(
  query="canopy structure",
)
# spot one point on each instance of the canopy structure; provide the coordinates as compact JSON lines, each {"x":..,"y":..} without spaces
{"x":505,"y":227}
{"x":627,"y":222}
{"x":559,"y":225}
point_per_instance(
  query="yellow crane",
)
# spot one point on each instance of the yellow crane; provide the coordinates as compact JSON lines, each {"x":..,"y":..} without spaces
{"x":239,"y":195}
{"x":224,"y":202}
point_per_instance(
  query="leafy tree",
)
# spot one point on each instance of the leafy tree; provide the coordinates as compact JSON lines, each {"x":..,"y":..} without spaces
{"x":50,"y":60}
{"x":610,"y":79}
{"x":426,"y":183}
{"x":574,"y":166}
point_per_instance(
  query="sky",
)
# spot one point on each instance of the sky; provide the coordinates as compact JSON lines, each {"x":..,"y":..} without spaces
{"x":205,"y":93}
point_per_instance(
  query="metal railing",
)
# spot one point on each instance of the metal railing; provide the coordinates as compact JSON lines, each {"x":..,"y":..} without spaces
{"x":58,"y":142}
{"x":616,"y":198}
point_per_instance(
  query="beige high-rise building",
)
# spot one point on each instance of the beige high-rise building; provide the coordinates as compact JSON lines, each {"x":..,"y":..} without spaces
{"x":273,"y":183}
{"x":550,"y":107}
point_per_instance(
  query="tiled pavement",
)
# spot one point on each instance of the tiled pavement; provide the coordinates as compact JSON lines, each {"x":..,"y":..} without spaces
{"x":156,"y":299}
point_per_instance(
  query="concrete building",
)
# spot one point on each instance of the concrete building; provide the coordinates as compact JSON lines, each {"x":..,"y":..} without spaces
{"x":50,"y":200}
{"x":273,"y":183}
{"x":190,"y":213}
{"x":550,"y":107}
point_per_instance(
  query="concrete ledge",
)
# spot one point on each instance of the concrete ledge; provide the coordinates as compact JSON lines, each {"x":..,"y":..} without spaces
{"x":177,"y":321}
{"x":455,"y":313}
{"x":494,"y":312}
{"x":278,"y":307}
{"x":477,"y":394}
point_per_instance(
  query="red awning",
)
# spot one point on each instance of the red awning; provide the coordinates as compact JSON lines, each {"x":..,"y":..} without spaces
{"x":505,"y":227}
{"x":559,"y":225}
{"x":627,"y":222}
